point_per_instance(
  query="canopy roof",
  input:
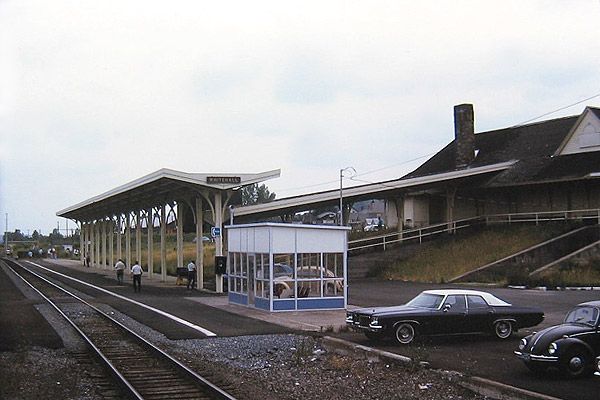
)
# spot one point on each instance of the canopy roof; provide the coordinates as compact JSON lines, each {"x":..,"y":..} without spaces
{"x":159,"y":188}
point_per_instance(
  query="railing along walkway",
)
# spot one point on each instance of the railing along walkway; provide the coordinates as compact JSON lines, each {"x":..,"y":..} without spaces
{"x":418,"y":234}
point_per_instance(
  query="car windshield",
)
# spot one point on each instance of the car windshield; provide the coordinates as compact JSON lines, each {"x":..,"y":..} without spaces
{"x":426,"y":300}
{"x":583,"y":315}
{"x":282,"y":270}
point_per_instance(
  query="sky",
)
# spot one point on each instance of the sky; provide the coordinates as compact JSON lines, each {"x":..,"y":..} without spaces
{"x":95,"y":94}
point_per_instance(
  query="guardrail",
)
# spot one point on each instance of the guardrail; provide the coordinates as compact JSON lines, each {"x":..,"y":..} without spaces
{"x":418,"y":234}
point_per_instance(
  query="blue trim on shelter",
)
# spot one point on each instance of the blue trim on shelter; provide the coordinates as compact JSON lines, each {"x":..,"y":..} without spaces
{"x":284,"y":305}
{"x":261,"y":303}
{"x":238,"y":298}
{"x":320,"y":303}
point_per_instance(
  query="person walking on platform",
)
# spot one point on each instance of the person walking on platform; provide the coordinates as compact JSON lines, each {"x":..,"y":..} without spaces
{"x":136,"y":273}
{"x":120,"y":267}
{"x":191,"y":267}
{"x":87,"y":261}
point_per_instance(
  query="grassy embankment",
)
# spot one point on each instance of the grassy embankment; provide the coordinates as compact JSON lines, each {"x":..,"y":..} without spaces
{"x":189,"y":254}
{"x":452,"y":256}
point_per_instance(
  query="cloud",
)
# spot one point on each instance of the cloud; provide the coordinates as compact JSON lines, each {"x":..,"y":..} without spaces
{"x":95,"y":94}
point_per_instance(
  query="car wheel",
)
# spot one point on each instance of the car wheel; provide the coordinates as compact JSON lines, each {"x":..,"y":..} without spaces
{"x":576,"y":363}
{"x":503,"y":329}
{"x":373,"y":336}
{"x":405,"y":333}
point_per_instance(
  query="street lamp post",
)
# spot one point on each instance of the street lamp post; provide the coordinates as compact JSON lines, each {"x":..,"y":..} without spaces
{"x":341,"y":193}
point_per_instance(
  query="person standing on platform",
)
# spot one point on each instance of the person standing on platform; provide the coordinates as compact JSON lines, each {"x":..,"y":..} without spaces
{"x":87,"y":261}
{"x":191,"y":267}
{"x":120,"y":267}
{"x":136,"y":273}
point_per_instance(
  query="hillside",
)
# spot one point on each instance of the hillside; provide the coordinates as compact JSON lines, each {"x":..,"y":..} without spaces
{"x":446,"y":257}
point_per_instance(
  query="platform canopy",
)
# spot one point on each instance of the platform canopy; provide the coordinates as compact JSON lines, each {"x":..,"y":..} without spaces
{"x":156,"y":200}
{"x":159,"y":187}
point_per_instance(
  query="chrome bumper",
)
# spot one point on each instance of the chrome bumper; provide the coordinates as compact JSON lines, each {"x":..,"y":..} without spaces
{"x":533,"y":357}
{"x":357,"y":326}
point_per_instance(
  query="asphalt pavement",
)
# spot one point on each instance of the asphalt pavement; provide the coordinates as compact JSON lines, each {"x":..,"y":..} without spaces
{"x":481,"y":356}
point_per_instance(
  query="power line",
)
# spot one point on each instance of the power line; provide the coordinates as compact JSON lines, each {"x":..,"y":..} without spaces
{"x":363,"y":174}
{"x":557,"y":110}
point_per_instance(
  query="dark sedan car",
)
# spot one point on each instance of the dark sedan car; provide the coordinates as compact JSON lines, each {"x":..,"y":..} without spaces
{"x":569,"y":347}
{"x":448,"y":311}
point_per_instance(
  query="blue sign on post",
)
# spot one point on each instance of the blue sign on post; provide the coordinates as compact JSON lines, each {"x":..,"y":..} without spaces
{"x":215,"y":232}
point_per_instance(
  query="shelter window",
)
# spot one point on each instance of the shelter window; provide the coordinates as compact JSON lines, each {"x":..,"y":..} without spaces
{"x":261,"y":276}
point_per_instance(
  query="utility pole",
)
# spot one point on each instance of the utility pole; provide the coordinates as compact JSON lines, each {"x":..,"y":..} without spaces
{"x":353,"y":171}
{"x":6,"y":236}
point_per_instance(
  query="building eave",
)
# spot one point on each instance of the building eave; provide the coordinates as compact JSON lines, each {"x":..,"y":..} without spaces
{"x":373,"y":188}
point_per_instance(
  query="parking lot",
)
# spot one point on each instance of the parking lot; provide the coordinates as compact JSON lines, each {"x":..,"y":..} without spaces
{"x":482,"y":356}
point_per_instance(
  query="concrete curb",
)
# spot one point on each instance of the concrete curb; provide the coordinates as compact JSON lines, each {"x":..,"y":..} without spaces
{"x":482,"y":386}
{"x":501,"y":391}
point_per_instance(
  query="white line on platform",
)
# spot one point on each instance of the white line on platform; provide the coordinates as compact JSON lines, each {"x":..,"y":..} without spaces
{"x":156,"y":310}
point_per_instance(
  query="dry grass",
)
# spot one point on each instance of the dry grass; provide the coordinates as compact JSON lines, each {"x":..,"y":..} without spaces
{"x":457,"y":255}
{"x":189,"y":254}
{"x":573,"y":275}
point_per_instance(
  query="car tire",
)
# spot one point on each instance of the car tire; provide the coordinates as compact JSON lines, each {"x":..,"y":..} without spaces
{"x":405,"y":333}
{"x":576,"y":362}
{"x":503,"y":329}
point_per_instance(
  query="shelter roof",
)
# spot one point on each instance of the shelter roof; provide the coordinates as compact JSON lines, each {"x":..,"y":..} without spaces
{"x":159,"y":188}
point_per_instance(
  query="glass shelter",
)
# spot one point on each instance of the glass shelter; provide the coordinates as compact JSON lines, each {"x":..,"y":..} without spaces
{"x":287,"y":267}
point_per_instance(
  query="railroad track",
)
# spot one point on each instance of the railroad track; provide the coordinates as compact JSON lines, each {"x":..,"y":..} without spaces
{"x":142,"y":370}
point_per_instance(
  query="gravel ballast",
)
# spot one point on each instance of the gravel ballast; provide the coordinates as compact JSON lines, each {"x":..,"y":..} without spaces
{"x":284,"y":366}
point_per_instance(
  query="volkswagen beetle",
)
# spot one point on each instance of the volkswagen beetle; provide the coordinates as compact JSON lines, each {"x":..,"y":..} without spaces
{"x":569,"y":347}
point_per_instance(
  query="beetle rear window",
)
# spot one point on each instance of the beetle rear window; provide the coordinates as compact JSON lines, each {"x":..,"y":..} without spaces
{"x":426,"y":300}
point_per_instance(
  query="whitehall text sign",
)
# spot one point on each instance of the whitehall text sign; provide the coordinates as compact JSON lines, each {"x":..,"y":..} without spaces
{"x":223,"y":179}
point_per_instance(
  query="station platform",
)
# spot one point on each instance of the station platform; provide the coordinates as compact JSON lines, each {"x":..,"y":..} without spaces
{"x":312,"y":321}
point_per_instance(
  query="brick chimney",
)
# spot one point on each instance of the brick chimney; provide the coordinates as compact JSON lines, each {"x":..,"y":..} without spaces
{"x":464,"y":134}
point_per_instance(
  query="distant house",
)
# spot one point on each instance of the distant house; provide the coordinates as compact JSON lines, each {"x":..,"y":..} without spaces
{"x":552,"y":165}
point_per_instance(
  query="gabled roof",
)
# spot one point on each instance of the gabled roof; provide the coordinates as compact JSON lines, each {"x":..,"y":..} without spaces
{"x":534,"y":147}
{"x":588,"y":110}
{"x":516,"y":143}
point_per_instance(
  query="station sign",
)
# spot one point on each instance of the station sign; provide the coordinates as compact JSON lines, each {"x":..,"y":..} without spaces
{"x":223,"y":179}
{"x":215,"y":231}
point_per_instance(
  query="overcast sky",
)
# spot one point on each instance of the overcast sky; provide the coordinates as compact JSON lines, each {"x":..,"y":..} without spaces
{"x":94,"y":94}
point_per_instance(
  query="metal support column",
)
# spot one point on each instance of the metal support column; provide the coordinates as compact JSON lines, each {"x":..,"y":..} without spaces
{"x":138,"y":236}
{"x":104,"y":254}
{"x":199,"y":244}
{"x":180,"y":221}
{"x":128,"y":240}
{"x":92,"y":243}
{"x":150,"y":234}
{"x":219,"y":239}
{"x":83,"y":251}
{"x":98,"y":240}
{"x":81,"y":241}
{"x":119,"y":228}
{"x":163,"y":243}
{"x":111,"y":244}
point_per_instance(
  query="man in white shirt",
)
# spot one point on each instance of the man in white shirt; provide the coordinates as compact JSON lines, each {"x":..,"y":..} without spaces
{"x":191,"y":267}
{"x":136,"y":273}
{"x":120,"y":267}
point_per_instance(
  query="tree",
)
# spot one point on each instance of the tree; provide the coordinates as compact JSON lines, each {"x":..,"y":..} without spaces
{"x":255,"y":194}
{"x":35,"y":235}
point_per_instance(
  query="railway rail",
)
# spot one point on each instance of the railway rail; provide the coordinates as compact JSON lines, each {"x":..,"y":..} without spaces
{"x":140,"y":369}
